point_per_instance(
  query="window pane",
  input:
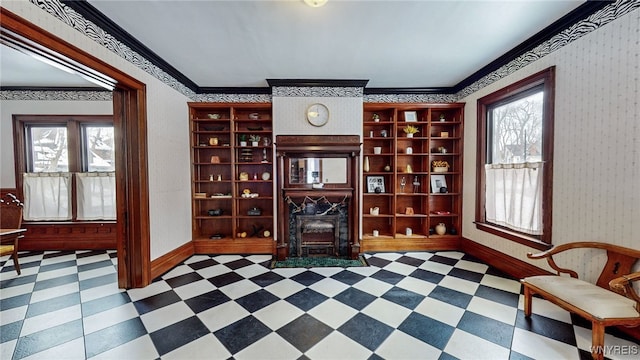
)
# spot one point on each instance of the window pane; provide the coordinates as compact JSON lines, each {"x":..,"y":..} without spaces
{"x":99,"y":152}
{"x":48,"y":149}
{"x":516,"y":131}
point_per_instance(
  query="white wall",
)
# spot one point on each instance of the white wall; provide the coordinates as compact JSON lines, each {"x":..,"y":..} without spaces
{"x":167,"y":133}
{"x":596,"y":182}
{"x":8,"y":108}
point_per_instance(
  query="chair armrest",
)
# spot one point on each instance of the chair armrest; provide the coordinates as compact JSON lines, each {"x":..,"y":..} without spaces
{"x":548,"y":254}
{"x":624,"y":286}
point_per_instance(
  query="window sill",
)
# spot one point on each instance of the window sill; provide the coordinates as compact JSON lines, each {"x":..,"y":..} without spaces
{"x":77,"y":222}
{"x":513,"y":236}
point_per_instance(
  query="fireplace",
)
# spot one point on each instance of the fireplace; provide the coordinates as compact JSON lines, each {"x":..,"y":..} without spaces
{"x":318,"y":203}
{"x":319,"y":229}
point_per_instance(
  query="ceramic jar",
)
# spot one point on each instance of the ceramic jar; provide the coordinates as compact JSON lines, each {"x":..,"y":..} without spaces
{"x":441,"y":229}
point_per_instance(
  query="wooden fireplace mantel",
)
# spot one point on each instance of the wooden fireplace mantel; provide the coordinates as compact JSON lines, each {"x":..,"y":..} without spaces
{"x":322,"y":144}
{"x":295,"y":193}
{"x":318,"y":146}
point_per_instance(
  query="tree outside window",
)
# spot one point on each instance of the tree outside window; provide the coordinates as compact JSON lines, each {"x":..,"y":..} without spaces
{"x":516,"y":130}
{"x":48,"y":148}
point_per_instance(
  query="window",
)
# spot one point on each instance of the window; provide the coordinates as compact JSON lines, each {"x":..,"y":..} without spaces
{"x":515,"y":162}
{"x":67,"y":171}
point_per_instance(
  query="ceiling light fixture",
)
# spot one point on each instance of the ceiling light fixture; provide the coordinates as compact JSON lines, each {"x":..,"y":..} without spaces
{"x":315,"y":3}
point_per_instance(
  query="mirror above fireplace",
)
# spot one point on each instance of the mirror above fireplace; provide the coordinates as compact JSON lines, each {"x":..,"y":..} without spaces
{"x":314,"y":170}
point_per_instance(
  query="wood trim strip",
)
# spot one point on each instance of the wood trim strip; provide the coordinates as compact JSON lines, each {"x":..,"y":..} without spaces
{"x":236,"y":246}
{"x":501,"y":261}
{"x":171,"y":259}
{"x":425,"y":244}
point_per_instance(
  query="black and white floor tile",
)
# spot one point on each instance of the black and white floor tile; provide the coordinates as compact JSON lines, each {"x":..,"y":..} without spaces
{"x":414,"y":305}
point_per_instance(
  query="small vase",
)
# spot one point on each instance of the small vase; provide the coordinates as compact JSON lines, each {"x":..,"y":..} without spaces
{"x":409,"y":135}
{"x":441,"y":229}
{"x":365,"y":166}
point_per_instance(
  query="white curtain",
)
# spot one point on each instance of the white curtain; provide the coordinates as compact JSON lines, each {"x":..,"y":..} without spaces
{"x":47,"y":196}
{"x":96,"y":196}
{"x":513,"y":196}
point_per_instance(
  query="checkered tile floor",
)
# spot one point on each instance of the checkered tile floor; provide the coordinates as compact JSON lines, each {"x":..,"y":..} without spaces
{"x":416,"y":305}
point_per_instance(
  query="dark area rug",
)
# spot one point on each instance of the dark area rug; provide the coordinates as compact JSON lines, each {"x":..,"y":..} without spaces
{"x":309,"y":262}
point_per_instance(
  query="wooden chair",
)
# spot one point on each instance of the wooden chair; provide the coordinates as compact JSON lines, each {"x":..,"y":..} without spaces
{"x":594,"y":302}
{"x":11,"y":218}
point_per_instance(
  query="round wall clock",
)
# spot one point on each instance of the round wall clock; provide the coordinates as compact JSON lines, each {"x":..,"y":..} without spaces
{"x":317,"y":114}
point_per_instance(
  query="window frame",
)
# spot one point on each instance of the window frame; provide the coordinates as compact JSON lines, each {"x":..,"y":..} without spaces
{"x":74,"y":125}
{"x":545,"y":79}
{"x":28,"y":148}
{"x":83,"y":134}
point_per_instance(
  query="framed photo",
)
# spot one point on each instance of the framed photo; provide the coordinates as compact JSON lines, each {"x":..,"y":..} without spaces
{"x":437,"y":183}
{"x":375,"y":184}
{"x":410,"y":116}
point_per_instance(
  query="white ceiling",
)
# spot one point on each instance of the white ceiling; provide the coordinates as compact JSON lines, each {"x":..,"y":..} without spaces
{"x":393,"y":44}
{"x":21,"y":70}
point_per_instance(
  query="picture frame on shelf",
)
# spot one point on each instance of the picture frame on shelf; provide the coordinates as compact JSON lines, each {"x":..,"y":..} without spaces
{"x":410,"y":116}
{"x":438,"y":182}
{"x":375,"y":184}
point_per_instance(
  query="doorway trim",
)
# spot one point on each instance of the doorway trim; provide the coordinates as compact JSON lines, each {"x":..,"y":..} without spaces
{"x":130,"y":127}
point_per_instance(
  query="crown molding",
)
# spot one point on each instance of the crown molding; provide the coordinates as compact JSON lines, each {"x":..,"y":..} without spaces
{"x":436,"y":90}
{"x":317,"y":83}
{"x":234,"y":90}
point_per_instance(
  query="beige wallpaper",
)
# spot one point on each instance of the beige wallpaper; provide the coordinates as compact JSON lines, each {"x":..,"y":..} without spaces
{"x":597,"y":143}
{"x":345,"y":115}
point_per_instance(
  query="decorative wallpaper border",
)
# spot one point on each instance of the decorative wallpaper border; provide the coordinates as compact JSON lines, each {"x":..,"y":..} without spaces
{"x":324,"y":91}
{"x":73,"y":19}
{"x":232,"y":98}
{"x":59,"y":95}
{"x":410,"y":98}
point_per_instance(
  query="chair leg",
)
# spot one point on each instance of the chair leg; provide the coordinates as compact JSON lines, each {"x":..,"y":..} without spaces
{"x":16,"y":264}
{"x":527,"y":301}
{"x":597,"y":340}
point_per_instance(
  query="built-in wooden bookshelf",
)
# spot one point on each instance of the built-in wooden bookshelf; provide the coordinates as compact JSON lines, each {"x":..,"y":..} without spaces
{"x":412,"y":198}
{"x":232,"y":181}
